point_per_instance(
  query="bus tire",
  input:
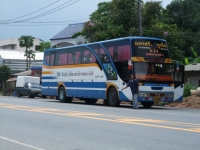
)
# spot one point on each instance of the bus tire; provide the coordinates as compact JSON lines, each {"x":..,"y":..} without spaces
{"x":62,"y":96}
{"x":147,"y":104}
{"x":113,"y":99}
{"x":90,"y":101}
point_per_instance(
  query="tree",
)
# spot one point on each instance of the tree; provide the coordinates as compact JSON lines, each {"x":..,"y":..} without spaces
{"x":5,"y":73}
{"x":27,"y":42}
{"x":30,"y":54}
{"x":43,"y":46}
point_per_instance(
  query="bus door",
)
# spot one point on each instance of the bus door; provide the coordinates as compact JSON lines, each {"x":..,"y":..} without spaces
{"x":178,"y":82}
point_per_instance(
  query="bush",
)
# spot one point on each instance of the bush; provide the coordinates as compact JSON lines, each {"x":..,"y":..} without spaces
{"x":187,"y":89}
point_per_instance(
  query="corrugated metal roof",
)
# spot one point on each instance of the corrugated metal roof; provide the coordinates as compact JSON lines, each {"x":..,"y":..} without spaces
{"x":24,"y":73}
{"x":192,"y":67}
{"x":15,"y":54}
{"x":69,"y":31}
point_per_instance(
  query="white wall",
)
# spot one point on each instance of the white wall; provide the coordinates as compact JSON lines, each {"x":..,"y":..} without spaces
{"x":7,"y":44}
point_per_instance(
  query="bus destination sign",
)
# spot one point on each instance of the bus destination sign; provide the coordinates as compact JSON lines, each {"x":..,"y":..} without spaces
{"x":150,"y":48}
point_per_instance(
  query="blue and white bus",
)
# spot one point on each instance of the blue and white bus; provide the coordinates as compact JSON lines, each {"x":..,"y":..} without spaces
{"x":100,"y":70}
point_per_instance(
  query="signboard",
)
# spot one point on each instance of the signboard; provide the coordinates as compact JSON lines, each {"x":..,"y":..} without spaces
{"x":153,"y":77}
{"x":150,"y":48}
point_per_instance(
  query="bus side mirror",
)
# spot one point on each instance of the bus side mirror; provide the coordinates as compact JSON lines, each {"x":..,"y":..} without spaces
{"x":177,"y":66}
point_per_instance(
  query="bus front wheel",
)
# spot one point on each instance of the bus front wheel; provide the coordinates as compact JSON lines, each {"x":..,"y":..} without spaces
{"x":113,"y":97}
{"x":62,"y":96}
{"x":147,"y":104}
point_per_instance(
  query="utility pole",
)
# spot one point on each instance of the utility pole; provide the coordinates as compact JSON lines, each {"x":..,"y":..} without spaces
{"x":139,"y":18}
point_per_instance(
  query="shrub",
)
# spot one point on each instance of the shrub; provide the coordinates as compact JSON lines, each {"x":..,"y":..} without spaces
{"x":187,"y":89}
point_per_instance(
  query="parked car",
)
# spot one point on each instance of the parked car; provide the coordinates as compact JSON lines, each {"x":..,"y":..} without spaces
{"x":28,"y":86}
{"x":31,"y":90}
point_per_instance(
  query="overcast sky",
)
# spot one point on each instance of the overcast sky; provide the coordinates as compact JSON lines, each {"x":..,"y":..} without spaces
{"x":15,"y":10}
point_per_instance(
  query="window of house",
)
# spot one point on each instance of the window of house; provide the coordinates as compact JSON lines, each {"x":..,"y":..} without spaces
{"x":61,"y":57}
{"x":88,"y":56}
{"x":47,"y":57}
{"x":75,"y":55}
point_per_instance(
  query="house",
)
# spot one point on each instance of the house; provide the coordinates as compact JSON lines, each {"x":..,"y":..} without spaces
{"x":64,"y":38}
{"x":192,"y":74}
{"x":13,"y":44}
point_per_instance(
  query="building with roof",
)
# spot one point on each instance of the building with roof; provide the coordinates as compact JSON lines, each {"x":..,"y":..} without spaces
{"x":64,"y":38}
{"x":13,"y":44}
{"x":192,"y":74}
{"x":16,"y":60}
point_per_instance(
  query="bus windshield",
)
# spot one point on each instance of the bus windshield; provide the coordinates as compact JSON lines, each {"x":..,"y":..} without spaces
{"x":153,"y":71}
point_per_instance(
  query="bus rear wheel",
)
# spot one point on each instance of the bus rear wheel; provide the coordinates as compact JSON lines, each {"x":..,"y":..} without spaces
{"x":113,"y":97}
{"x":62,"y":96}
{"x":147,"y":104}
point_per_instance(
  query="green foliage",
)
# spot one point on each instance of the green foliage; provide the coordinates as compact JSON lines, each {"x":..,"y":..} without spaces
{"x":27,"y":42}
{"x":187,"y":88}
{"x":178,"y":23}
{"x":30,"y":54}
{"x":5,"y":73}
{"x":43,"y":46}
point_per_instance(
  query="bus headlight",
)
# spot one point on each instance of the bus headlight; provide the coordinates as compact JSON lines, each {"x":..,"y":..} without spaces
{"x":142,"y":94}
{"x":170,"y":95}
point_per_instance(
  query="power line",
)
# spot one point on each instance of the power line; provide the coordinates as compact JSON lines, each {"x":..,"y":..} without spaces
{"x":48,"y":12}
{"x":25,"y":7}
{"x":34,"y":11}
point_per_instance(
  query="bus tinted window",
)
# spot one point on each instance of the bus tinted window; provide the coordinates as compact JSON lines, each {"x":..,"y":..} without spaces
{"x":47,"y":57}
{"x":100,"y":53}
{"x":122,"y":50}
{"x":61,"y":57}
{"x":110,"y":48}
{"x":75,"y":55}
{"x":52,"y":59}
{"x":88,"y":56}
{"x":119,"y":50}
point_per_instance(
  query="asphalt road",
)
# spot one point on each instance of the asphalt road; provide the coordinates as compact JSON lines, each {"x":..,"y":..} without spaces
{"x":43,"y":124}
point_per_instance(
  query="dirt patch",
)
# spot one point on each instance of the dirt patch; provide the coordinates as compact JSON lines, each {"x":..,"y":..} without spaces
{"x":189,"y":102}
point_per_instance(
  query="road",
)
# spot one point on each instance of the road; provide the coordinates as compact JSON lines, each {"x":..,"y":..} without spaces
{"x":44,"y":124}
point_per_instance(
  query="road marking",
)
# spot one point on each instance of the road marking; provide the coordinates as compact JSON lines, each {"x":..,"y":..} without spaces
{"x":20,"y":143}
{"x":181,"y":126}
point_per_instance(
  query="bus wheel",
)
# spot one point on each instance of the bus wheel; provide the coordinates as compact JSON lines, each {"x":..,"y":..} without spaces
{"x":62,"y":96}
{"x":113,"y":97}
{"x":90,"y":101}
{"x":147,"y":104}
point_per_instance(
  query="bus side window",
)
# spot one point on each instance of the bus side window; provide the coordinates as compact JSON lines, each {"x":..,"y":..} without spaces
{"x":88,"y":56}
{"x":47,"y":57}
{"x":61,"y":57}
{"x":123,"y":50}
{"x":52,"y":59}
{"x":75,"y":55}
{"x":110,"y":48}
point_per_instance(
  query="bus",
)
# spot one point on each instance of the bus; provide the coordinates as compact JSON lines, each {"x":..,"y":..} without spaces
{"x":100,"y":70}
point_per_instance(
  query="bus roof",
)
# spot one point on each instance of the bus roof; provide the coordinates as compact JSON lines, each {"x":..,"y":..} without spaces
{"x":111,"y":40}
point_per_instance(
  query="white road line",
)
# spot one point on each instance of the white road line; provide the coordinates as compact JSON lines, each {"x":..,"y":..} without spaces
{"x":20,"y":143}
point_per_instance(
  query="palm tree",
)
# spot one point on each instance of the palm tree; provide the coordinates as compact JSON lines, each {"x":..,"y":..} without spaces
{"x":30,"y":54}
{"x":27,"y":42}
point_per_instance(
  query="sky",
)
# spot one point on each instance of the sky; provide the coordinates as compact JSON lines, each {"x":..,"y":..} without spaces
{"x":45,"y":25}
